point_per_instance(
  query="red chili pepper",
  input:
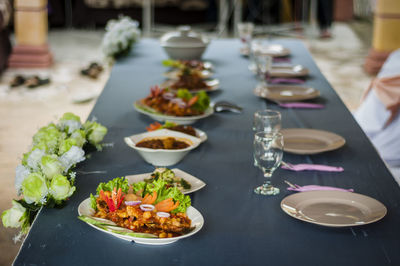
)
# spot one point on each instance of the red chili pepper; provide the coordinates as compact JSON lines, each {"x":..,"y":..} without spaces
{"x":115,"y":201}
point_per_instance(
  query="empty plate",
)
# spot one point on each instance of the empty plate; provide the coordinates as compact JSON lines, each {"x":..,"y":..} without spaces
{"x":275,"y":50}
{"x":286,"y":93}
{"x":310,"y":141}
{"x":333,"y":208}
{"x":288,"y":71}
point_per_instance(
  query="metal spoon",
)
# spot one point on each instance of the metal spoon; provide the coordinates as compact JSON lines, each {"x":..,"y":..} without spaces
{"x":227,"y":106}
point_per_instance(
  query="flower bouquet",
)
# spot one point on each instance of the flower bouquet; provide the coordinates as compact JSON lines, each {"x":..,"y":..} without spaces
{"x":46,"y":177}
{"x":120,"y":35}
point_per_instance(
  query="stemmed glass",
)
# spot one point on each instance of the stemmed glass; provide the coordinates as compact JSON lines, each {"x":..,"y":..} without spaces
{"x":245,"y":30}
{"x":264,"y":64}
{"x":267,"y":121}
{"x":268,"y":152}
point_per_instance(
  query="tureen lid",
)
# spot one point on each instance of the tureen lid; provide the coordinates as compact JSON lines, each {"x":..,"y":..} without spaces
{"x":183,"y":37}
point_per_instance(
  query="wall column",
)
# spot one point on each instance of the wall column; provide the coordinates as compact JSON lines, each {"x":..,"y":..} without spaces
{"x":386,"y":34}
{"x":31,"y":28}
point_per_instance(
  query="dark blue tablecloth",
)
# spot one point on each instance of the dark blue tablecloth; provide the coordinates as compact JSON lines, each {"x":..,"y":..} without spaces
{"x":241,"y":228}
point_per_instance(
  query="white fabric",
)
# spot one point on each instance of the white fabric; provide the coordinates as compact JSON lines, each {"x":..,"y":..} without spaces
{"x":372,"y":115}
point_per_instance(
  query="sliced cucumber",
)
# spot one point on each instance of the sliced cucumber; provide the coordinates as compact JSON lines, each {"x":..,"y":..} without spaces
{"x":95,"y":220}
{"x":125,"y":232}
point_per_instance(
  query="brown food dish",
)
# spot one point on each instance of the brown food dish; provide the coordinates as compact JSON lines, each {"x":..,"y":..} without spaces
{"x":194,"y":64}
{"x":168,"y":143}
{"x":184,"y":129}
{"x":133,"y":218}
{"x":165,"y":102}
{"x":189,"y":79}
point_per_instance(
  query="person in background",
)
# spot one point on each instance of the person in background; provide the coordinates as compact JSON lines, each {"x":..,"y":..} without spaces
{"x":325,"y":17}
{"x":379,"y":113}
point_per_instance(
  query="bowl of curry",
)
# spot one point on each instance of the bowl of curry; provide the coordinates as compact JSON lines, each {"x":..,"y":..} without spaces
{"x":162,"y":147}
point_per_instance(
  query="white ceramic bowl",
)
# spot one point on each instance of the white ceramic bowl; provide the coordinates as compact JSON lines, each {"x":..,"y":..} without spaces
{"x":184,"y":44}
{"x":184,"y":53}
{"x":162,"y":157}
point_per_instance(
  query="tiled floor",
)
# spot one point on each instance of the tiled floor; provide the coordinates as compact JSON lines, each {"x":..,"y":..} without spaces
{"x":23,"y":111}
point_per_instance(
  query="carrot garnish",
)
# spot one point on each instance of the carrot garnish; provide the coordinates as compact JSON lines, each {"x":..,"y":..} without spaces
{"x":193,"y":100}
{"x":154,"y":126}
{"x":150,"y":199}
{"x":166,"y":205}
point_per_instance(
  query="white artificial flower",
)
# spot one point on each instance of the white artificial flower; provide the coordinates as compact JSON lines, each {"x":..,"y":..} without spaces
{"x":73,"y":156}
{"x":120,"y":35}
{"x":34,"y":159}
{"x":21,"y":172}
{"x":72,"y":125}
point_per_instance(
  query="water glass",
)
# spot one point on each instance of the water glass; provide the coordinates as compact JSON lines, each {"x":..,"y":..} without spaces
{"x":268,"y":152}
{"x":245,"y":30}
{"x":267,"y":121}
{"x":264,"y":65}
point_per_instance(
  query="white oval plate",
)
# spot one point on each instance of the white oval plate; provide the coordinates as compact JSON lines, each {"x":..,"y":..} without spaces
{"x":181,"y":120}
{"x":333,"y":208}
{"x":199,"y":133}
{"x":196,"y":184}
{"x":213,"y":85}
{"x":193,"y":214}
{"x":173,"y":74}
{"x":310,"y":141}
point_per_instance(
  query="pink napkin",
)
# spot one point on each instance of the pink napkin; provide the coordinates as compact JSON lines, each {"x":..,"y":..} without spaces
{"x":302,"y":105}
{"x":281,"y":60}
{"x":285,"y":81}
{"x":316,"y":187}
{"x":315,"y":167}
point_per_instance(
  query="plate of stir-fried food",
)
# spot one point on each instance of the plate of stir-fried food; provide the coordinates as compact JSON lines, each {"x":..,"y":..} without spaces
{"x":144,"y":212}
{"x":175,"y":177}
{"x":180,"y":107}
{"x":186,"y":129}
{"x":193,"y":64}
{"x":188,"y":76}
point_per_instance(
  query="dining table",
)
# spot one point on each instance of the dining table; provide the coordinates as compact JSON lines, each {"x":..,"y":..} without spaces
{"x":240,"y":227}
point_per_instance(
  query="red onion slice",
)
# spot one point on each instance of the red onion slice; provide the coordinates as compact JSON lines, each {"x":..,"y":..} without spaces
{"x":132,"y":202}
{"x":168,"y":95}
{"x":146,"y":207}
{"x":163,"y":214}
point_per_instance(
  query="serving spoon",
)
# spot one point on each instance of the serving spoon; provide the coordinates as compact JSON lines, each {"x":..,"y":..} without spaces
{"x":222,"y":106}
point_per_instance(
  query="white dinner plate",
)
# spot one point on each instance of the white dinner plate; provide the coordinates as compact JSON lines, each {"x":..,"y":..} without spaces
{"x":286,"y":93}
{"x":181,"y":120}
{"x":275,"y":50}
{"x":333,"y":208}
{"x":213,"y":85}
{"x":174,"y":74}
{"x":195,"y":183}
{"x":193,"y":214}
{"x":310,"y":141}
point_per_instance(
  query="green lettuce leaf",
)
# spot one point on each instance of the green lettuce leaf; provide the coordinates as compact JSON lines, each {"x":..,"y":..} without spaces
{"x":118,"y":182}
{"x":203,"y":102}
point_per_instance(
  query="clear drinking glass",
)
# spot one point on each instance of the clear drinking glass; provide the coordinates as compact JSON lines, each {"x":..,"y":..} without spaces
{"x":267,"y":121}
{"x":245,"y":30}
{"x":255,"y":46}
{"x":268,"y":152}
{"x":264,"y":64}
